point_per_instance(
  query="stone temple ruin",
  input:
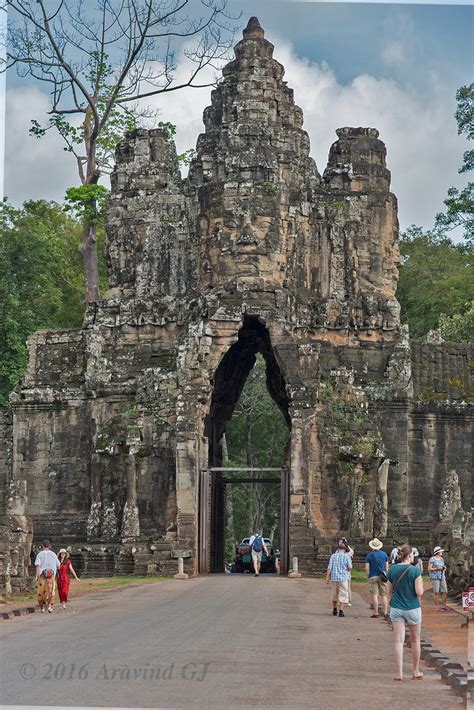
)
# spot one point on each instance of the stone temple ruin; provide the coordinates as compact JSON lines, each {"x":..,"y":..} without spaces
{"x":254,"y":252}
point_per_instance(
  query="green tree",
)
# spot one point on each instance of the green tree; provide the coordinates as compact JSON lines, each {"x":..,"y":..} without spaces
{"x":41,"y":280}
{"x":436,"y":277}
{"x":99,"y":61}
{"x":459,"y":204}
{"x":460,"y":326}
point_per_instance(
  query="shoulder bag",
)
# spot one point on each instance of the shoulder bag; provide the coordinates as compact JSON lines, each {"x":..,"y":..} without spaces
{"x":382,"y":573}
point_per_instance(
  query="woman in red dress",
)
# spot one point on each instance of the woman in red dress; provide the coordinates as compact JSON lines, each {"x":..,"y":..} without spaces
{"x":63,"y":578}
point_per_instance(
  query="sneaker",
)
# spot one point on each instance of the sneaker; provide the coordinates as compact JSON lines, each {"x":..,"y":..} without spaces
{"x":256,"y":574}
{"x":341,"y":613}
{"x":446,"y":608}
{"x":334,"y":612}
{"x":50,"y":610}
{"x":349,"y":604}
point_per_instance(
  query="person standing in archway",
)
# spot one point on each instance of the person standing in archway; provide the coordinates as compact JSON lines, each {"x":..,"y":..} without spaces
{"x":257,"y":545}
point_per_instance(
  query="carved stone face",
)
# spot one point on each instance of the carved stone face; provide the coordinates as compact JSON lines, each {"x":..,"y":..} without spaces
{"x":236,"y":246}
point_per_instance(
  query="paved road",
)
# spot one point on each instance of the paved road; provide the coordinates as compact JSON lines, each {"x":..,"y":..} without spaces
{"x":217,"y":642}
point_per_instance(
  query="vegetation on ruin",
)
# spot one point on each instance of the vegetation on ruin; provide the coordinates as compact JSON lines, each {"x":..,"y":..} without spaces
{"x":436,"y":286}
{"x":41,"y":280}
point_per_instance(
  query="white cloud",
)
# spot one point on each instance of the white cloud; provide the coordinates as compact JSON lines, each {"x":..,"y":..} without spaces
{"x":424,"y":150}
{"x":34,"y":168}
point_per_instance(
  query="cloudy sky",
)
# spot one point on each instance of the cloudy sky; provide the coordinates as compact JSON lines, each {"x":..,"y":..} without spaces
{"x":393,"y":67}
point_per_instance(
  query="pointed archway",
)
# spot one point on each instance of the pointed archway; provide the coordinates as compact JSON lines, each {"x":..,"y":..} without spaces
{"x":229,"y":380}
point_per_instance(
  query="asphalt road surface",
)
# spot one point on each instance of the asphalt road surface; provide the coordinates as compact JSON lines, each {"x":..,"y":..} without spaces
{"x":221,"y":641}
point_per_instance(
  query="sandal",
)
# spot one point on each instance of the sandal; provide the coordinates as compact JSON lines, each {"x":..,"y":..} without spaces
{"x":418,"y":677}
{"x":400,"y":679}
{"x":375,"y":616}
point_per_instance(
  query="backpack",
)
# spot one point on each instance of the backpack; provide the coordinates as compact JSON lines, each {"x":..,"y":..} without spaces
{"x":257,"y":544}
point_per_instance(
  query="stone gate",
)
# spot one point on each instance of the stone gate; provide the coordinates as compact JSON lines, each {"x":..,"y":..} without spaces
{"x":254,"y":252}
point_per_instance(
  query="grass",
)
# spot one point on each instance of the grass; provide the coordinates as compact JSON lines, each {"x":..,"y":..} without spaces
{"x":88,"y":584}
{"x":29,"y":596}
{"x":117,"y":581}
{"x":358,"y":575}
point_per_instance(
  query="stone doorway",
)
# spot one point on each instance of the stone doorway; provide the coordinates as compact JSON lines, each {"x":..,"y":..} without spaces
{"x":213,"y":483}
{"x":228,"y":383}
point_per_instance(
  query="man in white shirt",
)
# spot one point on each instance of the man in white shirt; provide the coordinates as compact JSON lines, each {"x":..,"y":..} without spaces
{"x":394,"y":555}
{"x":47,"y":565}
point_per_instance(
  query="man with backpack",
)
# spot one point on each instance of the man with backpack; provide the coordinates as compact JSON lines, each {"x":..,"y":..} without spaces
{"x":257,"y":545}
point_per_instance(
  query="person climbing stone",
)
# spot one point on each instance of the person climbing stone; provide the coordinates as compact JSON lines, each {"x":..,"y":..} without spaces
{"x":257,"y":545}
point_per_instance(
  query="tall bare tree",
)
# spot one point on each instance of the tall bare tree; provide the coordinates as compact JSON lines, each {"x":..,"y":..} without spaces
{"x":101,"y":59}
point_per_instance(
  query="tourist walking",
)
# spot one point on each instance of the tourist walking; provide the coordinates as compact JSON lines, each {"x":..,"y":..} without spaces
{"x":257,"y":545}
{"x":338,"y":573}
{"x":46,"y":567}
{"x":437,"y":575}
{"x":405,"y":589}
{"x":394,"y":555}
{"x":350,"y":553}
{"x":417,"y":561}
{"x":376,"y":567}
{"x":65,"y":567}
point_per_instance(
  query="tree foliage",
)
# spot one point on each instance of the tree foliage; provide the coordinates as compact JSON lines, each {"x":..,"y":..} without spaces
{"x":41,"y":280}
{"x":459,"y":212}
{"x":436,"y":277}
{"x":460,"y":326}
{"x":100,"y":60}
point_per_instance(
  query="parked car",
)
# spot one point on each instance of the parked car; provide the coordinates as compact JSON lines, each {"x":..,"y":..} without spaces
{"x":243,"y":557}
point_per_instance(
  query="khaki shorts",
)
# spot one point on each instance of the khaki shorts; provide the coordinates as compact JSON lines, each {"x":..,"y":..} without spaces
{"x":340,"y":592}
{"x":256,"y":556}
{"x":376,"y":586}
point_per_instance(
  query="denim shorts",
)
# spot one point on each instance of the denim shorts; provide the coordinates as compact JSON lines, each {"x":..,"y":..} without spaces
{"x":411,"y":616}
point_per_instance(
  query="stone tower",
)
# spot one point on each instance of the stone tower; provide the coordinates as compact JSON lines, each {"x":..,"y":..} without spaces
{"x":254,"y":252}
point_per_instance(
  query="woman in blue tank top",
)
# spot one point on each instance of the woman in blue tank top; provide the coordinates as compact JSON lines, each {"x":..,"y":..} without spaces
{"x":405,"y":590}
